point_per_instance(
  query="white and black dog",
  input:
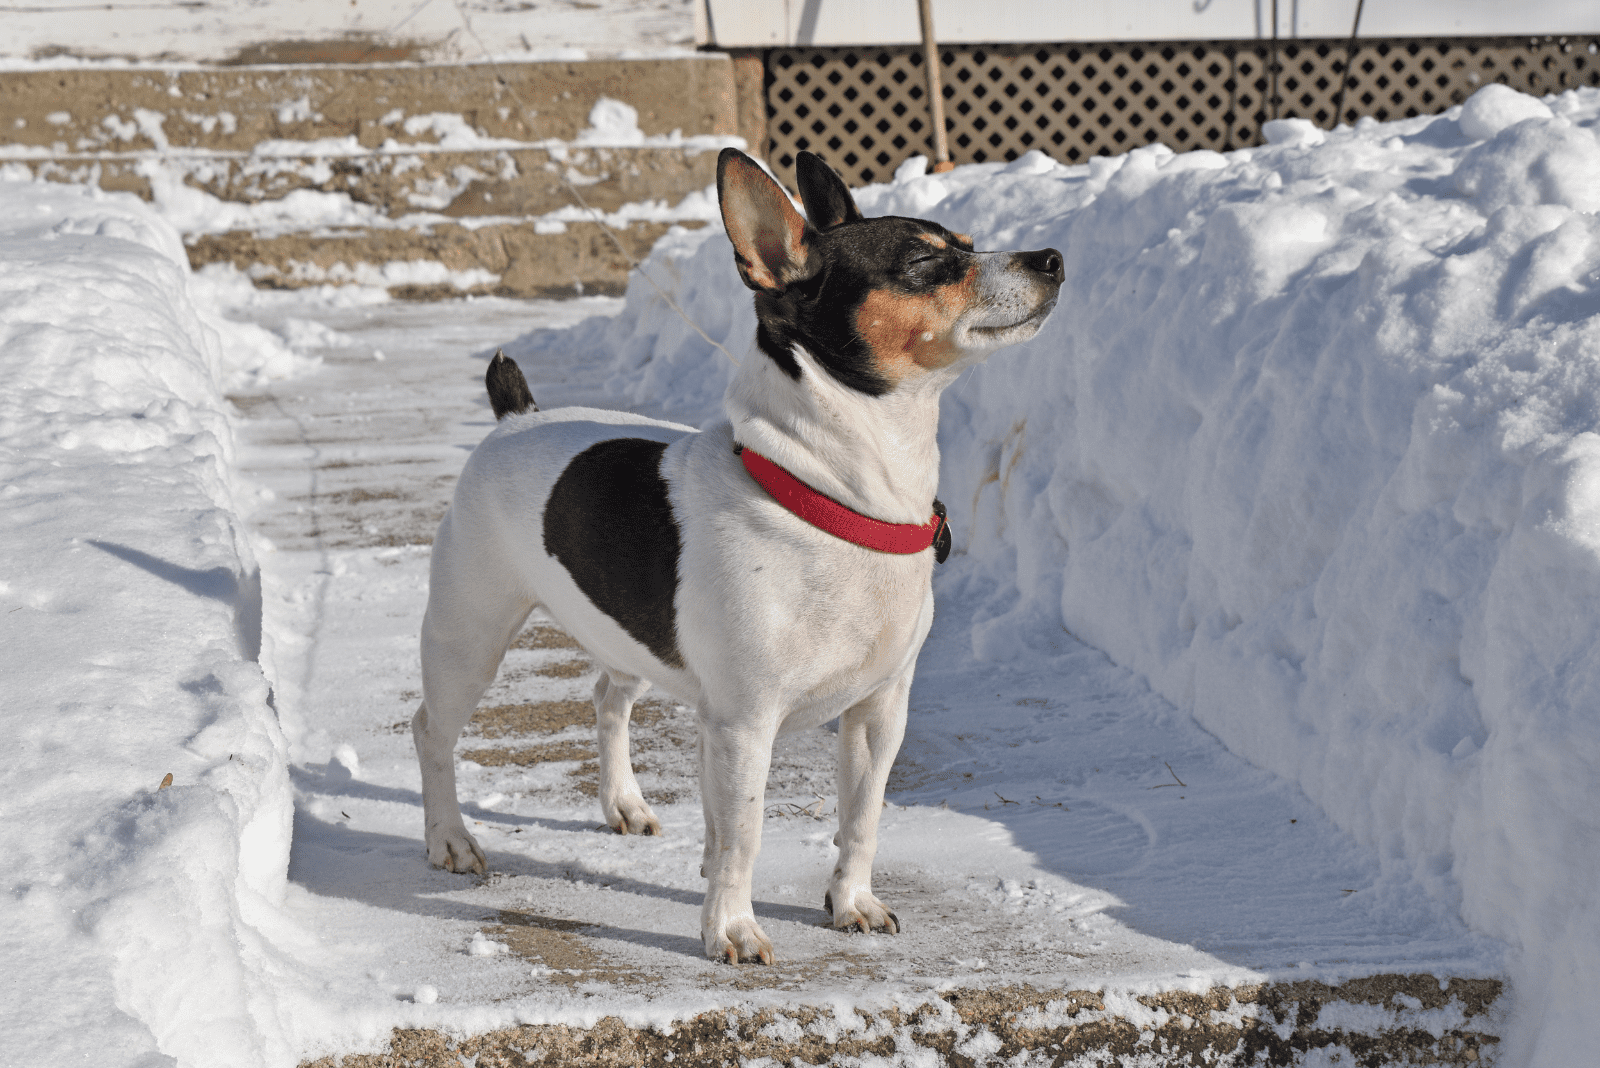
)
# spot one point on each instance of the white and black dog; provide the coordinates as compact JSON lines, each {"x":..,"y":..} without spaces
{"x":774,"y":571}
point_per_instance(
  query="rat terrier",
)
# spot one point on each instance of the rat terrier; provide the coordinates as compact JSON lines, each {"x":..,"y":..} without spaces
{"x":773,"y":571}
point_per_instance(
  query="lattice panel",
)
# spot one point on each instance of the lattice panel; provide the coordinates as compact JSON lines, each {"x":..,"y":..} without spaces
{"x":865,"y":111}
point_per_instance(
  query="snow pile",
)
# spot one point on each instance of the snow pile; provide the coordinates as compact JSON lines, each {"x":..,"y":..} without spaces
{"x":1311,"y":441}
{"x":145,"y":789}
{"x":662,"y":362}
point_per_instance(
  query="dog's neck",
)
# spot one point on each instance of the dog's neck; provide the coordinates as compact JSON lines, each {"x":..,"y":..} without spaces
{"x":877,"y":455}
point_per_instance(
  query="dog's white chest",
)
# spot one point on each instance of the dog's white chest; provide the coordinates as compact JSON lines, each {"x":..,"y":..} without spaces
{"x":897,"y":609}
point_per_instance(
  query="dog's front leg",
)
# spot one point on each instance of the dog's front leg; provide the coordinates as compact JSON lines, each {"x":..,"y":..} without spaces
{"x":869,"y":737}
{"x":734,"y":757}
{"x":621,"y":800}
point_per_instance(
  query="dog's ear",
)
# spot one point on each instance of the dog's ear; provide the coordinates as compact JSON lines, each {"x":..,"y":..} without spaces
{"x":827,"y":199}
{"x":768,"y":235}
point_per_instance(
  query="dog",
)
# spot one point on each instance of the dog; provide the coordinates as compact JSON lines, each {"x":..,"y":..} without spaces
{"x":773,"y":571}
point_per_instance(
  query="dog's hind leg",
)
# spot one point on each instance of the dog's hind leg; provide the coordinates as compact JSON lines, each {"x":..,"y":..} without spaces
{"x":869,"y":737}
{"x":465,"y":633}
{"x":620,"y":799}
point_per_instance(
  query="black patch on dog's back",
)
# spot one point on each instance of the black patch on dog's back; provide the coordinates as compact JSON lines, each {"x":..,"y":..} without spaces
{"x":610,"y":524}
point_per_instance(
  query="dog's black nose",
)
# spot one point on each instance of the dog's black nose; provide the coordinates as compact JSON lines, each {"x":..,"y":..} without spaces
{"x":1047,"y":261}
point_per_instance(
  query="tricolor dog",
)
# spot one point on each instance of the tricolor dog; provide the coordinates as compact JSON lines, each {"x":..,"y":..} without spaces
{"x":774,"y":572}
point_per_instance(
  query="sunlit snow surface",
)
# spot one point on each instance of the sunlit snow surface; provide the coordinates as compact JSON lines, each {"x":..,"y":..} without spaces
{"x":1308,"y":449}
{"x":1310,"y":442}
{"x":1035,"y":833}
{"x":130,"y":623}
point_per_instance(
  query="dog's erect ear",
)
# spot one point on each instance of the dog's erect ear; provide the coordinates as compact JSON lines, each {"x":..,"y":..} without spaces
{"x":827,"y":199}
{"x":768,"y":235}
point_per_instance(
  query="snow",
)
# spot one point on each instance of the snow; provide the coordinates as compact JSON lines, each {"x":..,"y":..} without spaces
{"x":132,"y":624}
{"x":1494,"y":107}
{"x":1310,"y":443}
{"x":1268,"y":650}
{"x":1095,"y":871}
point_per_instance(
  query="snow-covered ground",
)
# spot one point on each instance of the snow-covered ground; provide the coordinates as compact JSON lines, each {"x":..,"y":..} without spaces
{"x":1267,"y":650}
{"x":1311,"y":444}
{"x":1038,"y":834}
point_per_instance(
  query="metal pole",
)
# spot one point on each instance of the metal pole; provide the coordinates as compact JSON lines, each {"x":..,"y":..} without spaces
{"x":930,"y":60}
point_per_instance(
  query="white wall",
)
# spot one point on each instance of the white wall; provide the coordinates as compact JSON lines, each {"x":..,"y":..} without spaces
{"x":765,"y":23}
{"x":216,"y":30}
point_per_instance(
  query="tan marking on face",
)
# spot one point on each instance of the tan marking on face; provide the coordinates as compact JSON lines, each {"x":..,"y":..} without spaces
{"x":935,"y":240}
{"x":964,"y":240}
{"x":908,"y":334}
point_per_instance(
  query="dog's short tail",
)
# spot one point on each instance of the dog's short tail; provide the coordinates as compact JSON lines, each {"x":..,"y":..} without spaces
{"x":508,"y":390}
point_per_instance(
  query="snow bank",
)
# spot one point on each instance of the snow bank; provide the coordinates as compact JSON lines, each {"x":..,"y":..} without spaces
{"x":662,"y":361}
{"x":130,"y":624}
{"x":1313,"y":442}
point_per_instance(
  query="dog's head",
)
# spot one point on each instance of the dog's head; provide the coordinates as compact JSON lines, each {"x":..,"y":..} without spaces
{"x":878,"y":302}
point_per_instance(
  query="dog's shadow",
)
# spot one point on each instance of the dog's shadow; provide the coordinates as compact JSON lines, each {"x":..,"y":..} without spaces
{"x":333,"y":780}
{"x":333,"y":859}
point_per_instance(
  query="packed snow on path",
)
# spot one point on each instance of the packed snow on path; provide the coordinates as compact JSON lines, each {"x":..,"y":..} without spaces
{"x":1038,"y":831}
{"x":1266,"y":651}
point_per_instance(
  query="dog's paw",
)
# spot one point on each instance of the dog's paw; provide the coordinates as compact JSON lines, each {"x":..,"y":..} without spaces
{"x":740,"y":940}
{"x":456,"y":851}
{"x":864,"y":913}
{"x":630,"y":815}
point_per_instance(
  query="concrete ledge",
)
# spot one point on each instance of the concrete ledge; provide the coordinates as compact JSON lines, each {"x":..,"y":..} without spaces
{"x":511,"y":259}
{"x":77,"y":110}
{"x":1380,"y":1020}
{"x":525,"y":181}
{"x":403,"y":139}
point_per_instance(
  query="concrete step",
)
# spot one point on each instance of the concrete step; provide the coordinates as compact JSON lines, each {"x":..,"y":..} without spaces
{"x":1381,"y":1020}
{"x":505,"y":144}
{"x":234,"y":109}
{"x":399,"y":181}
{"x":440,"y":261}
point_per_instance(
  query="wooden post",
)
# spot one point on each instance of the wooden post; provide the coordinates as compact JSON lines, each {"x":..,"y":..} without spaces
{"x":930,"y":60}
{"x":1346,"y":79}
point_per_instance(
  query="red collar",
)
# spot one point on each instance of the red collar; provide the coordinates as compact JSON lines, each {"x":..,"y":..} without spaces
{"x":825,"y":513}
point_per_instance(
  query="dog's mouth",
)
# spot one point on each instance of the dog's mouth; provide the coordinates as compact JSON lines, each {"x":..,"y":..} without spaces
{"x":1038,"y":316}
